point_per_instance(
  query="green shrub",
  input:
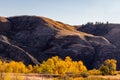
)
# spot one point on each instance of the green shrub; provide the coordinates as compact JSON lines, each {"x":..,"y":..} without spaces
{"x":109,"y":67}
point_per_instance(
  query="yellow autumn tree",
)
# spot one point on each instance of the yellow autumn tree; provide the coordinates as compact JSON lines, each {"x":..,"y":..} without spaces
{"x":30,"y":68}
{"x":12,"y":67}
{"x":36,"y":69}
{"x":2,"y":66}
{"x":61,"y":67}
{"x":81,"y":67}
{"x":55,"y":65}
{"x":109,"y":67}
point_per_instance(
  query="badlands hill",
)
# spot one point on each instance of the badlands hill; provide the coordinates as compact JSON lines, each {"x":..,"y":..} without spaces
{"x":32,"y":39}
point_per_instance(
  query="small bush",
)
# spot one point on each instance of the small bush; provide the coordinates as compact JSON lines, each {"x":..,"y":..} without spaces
{"x":84,"y":74}
{"x":94,"y":72}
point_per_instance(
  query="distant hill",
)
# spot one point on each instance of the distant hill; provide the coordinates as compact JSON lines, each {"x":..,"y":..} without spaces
{"x":109,"y":31}
{"x":32,"y":39}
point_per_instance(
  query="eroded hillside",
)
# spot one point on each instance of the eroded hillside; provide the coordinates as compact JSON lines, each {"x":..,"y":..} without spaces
{"x":32,"y":39}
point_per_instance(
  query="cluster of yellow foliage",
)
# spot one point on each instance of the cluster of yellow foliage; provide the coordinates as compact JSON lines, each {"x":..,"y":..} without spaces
{"x":12,"y":67}
{"x":55,"y":65}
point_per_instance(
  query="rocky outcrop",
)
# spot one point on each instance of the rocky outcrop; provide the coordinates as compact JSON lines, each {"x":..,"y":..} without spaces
{"x":32,"y":39}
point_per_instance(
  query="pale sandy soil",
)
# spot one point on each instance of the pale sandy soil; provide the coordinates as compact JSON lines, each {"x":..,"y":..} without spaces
{"x":19,"y":76}
{"x":109,"y":77}
{"x":35,"y":78}
{"x":39,"y":77}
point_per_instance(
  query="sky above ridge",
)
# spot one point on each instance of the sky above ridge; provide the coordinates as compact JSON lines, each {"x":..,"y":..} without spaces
{"x":74,"y":12}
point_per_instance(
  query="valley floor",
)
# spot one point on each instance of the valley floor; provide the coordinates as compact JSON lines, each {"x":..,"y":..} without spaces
{"x":11,"y":76}
{"x":109,"y":77}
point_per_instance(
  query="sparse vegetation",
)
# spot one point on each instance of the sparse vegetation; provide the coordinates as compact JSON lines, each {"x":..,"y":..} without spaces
{"x":94,"y":72}
{"x":80,"y":78}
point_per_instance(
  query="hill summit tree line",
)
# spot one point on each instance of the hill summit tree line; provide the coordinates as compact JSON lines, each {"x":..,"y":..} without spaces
{"x":56,"y":65}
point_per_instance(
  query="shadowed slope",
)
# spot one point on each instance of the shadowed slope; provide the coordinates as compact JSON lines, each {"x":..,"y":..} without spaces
{"x":42,"y":38}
